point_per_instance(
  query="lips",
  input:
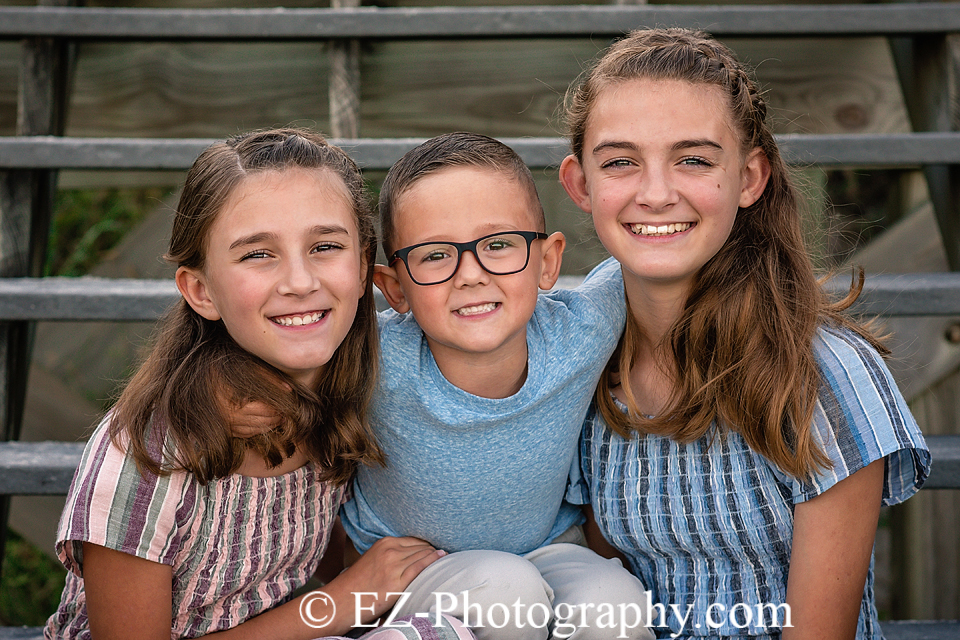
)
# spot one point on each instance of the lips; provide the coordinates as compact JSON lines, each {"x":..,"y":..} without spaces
{"x":477,"y":309}
{"x":299,"y":320}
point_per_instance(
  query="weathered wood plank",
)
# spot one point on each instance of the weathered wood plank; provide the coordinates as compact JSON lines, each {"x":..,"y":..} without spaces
{"x":45,"y":152}
{"x":87,"y":298}
{"x":38,"y":468}
{"x":46,"y":468}
{"x":473,"y":22}
{"x":908,"y":294}
{"x":925,"y":69}
{"x":921,"y":629}
{"x":945,"y":473}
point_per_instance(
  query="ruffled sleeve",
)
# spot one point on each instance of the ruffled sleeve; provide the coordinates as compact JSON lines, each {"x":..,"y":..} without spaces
{"x":112,"y":504}
{"x":860,"y":417}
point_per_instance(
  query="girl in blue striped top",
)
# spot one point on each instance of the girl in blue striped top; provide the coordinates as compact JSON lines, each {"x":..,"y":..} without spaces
{"x":747,"y":431}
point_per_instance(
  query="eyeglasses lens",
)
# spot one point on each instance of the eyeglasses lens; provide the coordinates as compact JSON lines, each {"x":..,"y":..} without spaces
{"x":500,"y":255}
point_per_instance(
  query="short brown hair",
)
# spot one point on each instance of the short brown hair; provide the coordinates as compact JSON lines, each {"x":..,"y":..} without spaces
{"x":458,"y":149}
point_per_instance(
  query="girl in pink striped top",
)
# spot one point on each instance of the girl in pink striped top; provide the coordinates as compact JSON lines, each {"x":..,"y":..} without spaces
{"x":174,"y":529}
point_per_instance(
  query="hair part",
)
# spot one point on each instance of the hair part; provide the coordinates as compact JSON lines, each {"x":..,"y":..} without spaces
{"x":458,"y":149}
{"x":195,"y":366}
{"x":741,"y":352}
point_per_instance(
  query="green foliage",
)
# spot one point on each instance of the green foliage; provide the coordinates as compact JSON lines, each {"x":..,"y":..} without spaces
{"x":89,"y":223}
{"x":31,"y":584}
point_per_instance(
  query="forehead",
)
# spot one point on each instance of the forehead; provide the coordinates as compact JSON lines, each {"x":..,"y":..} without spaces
{"x":291,"y":181}
{"x":659,"y":109}
{"x":462,"y":203}
{"x":285,"y":200}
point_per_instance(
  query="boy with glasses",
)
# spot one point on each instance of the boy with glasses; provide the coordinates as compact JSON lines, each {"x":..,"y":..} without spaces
{"x":484,"y":387}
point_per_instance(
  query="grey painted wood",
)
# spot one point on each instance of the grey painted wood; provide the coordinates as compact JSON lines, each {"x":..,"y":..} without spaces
{"x":473,"y":22}
{"x":924,"y":66}
{"x":909,"y":294}
{"x":46,"y":468}
{"x":47,"y":152}
{"x":38,"y":468}
{"x":921,"y":630}
{"x":87,"y":298}
{"x":945,"y":473}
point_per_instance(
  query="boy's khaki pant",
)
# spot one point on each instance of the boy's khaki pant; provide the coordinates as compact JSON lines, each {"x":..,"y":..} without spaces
{"x":560,"y":590}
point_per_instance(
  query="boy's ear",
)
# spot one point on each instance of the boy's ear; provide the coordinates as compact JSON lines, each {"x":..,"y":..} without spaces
{"x":388,"y":282}
{"x":193,"y":288}
{"x":755,"y":175}
{"x":552,"y":258}
{"x":575,"y":183}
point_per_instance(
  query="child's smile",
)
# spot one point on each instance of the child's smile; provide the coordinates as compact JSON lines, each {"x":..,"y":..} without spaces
{"x":300,"y":320}
{"x":663,"y":176}
{"x":475,"y":317}
{"x":283,"y":269}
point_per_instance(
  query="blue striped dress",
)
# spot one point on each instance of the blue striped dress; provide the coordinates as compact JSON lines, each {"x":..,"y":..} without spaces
{"x":707,"y":526}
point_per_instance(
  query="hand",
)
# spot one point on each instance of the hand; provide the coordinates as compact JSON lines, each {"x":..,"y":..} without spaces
{"x":387,"y":567}
{"x":252,"y":419}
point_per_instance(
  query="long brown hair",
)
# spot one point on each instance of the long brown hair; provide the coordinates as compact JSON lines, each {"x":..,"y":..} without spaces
{"x":742,"y":348}
{"x":195,"y":366}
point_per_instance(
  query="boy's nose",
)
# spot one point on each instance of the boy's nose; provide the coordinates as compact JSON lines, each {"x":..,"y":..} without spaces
{"x":470,"y":271}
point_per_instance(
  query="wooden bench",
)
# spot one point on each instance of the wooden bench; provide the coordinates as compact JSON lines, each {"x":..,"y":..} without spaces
{"x":917,"y":33}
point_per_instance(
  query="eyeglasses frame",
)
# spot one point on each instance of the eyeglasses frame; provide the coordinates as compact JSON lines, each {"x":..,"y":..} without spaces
{"x":471,"y":246}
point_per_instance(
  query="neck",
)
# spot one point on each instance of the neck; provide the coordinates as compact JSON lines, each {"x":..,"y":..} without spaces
{"x":499,"y":374}
{"x":655,"y":307}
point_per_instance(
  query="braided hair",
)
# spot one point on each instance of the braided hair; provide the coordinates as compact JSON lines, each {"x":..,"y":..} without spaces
{"x":742,"y":348}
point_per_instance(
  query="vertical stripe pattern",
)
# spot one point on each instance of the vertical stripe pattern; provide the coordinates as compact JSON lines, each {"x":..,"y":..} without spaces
{"x":237,"y":546}
{"x":708,"y":525}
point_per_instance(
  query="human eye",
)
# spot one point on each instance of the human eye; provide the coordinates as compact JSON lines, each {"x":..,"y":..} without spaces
{"x":259,"y":254}
{"x":499,"y":243}
{"x":434,"y":256}
{"x":695,"y":161}
{"x":327,"y":247}
{"x":615,"y":163}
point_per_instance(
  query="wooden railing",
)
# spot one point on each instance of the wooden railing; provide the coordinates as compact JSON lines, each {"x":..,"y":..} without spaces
{"x":30,"y":160}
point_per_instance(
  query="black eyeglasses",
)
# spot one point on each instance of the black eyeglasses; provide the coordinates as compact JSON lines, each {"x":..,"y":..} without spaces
{"x":501,"y":254}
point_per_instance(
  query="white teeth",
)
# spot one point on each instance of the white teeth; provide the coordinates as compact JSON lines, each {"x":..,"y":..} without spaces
{"x":480,"y":308}
{"x":299,"y":321}
{"x":662,"y":230}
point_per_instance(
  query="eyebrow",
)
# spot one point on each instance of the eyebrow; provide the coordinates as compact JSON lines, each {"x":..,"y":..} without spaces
{"x":699,"y":142}
{"x":264,"y":236}
{"x":485,"y":229}
{"x":677,"y":146}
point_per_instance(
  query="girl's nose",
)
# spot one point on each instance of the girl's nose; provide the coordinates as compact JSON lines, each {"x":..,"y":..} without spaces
{"x":655,"y":190}
{"x":298,"y":279}
{"x":470,"y":271}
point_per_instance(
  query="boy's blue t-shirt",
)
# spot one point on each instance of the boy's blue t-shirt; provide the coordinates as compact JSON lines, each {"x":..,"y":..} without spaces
{"x":466,"y":472}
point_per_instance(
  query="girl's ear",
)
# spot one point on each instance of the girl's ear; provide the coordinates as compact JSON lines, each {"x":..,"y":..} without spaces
{"x":193,"y":288}
{"x":388,"y":282}
{"x":552,"y":258}
{"x":575,"y":182}
{"x":754,"y":177}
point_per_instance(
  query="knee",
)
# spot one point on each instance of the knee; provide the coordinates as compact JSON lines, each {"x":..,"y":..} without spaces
{"x":608,"y":602}
{"x":503,"y":579}
{"x":610,"y":582}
